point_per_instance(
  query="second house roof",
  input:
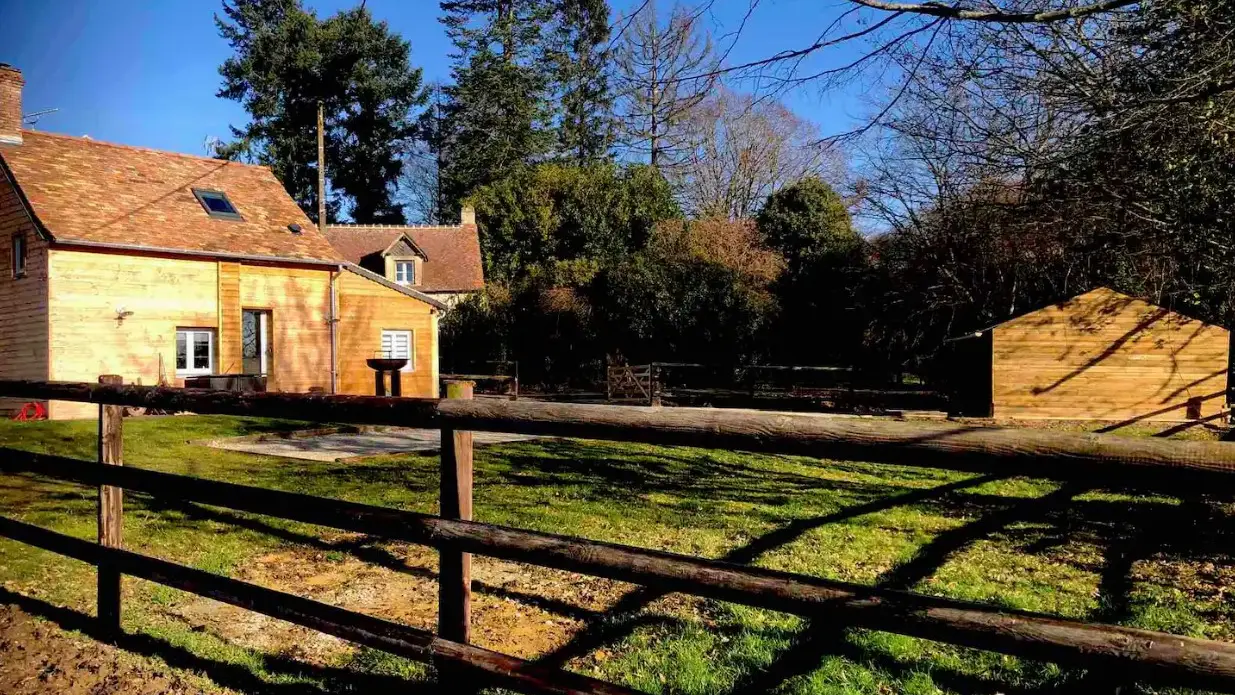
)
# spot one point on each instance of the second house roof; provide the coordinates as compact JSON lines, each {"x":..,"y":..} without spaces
{"x":452,"y":254}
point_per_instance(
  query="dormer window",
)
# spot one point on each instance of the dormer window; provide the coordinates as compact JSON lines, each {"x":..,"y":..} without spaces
{"x":216,"y":204}
{"x":405,"y":272}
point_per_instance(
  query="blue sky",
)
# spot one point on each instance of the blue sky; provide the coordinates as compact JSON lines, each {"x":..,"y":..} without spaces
{"x":145,"y":72}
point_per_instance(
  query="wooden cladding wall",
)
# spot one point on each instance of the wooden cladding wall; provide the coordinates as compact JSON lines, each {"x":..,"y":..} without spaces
{"x":298,"y":300}
{"x":366,"y":308}
{"x":229,"y":339}
{"x":23,"y":300}
{"x":113,"y":313}
{"x":1106,"y":356}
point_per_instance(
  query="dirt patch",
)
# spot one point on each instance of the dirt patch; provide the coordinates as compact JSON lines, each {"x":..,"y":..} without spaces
{"x":517,"y":609}
{"x":38,"y":657}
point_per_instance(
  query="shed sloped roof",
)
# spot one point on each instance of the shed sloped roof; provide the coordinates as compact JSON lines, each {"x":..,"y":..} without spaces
{"x":1097,"y":302}
{"x":88,"y":191}
{"x":452,"y":254}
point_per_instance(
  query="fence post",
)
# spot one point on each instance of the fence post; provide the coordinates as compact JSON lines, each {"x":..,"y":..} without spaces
{"x":454,"y":607}
{"x":111,"y":509}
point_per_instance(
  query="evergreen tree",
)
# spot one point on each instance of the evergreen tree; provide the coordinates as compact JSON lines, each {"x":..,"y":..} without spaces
{"x":580,"y":55}
{"x":805,"y":222}
{"x":286,"y":61}
{"x":498,"y":113}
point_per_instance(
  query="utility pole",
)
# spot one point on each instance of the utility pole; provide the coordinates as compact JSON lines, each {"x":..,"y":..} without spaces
{"x":321,"y":169}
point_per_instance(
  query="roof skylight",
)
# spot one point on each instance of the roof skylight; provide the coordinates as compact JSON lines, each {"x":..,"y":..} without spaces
{"x":216,"y":204}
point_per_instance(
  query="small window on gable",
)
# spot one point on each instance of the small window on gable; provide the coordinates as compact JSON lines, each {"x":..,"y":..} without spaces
{"x":216,"y":204}
{"x":19,"y":255}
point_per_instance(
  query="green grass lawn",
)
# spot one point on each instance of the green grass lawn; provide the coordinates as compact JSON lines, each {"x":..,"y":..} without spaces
{"x":1148,"y":561}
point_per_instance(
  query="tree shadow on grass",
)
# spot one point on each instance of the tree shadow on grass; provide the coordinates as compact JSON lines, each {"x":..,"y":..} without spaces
{"x":1195,"y":531}
{"x":605,"y":632}
{"x":612,"y":474}
{"x":820,"y":638}
{"x":228,"y":675}
{"x":365,"y":549}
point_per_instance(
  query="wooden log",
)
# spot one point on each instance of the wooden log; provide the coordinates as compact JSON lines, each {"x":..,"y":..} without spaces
{"x":1146,"y":654}
{"x":454,"y":607}
{"x":310,"y":407}
{"x":362,"y":629}
{"x":111,"y":510}
{"x":1093,"y":458}
{"x":476,"y":377}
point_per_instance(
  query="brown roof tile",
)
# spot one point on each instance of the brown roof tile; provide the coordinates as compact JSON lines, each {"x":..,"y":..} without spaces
{"x":453,"y":262}
{"x":90,"y":191}
{"x":355,"y":242}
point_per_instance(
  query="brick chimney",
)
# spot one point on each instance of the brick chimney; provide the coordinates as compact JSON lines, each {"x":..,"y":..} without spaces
{"x":467,"y":215}
{"x":10,"y":104}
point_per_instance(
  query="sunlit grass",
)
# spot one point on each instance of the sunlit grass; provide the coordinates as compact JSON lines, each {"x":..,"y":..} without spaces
{"x":1150,"y":561}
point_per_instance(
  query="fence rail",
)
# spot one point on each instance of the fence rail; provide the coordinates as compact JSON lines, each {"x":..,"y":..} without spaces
{"x":1040,"y":453}
{"x":1151,"y":655}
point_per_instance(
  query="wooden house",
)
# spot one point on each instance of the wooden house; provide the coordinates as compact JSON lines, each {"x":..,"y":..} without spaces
{"x":1099,"y":356}
{"x":159,"y":266}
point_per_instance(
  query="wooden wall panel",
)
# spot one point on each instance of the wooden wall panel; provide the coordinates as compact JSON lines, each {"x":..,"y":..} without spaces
{"x":87,"y":337}
{"x":1107,"y":356}
{"x":23,"y":301}
{"x":299,"y":303}
{"x":365,"y":309}
{"x":229,"y":343}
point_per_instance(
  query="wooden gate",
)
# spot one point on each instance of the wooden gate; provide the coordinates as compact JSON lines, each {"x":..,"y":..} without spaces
{"x":632,"y":383}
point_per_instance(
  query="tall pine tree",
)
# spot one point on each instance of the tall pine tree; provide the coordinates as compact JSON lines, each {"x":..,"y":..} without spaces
{"x":580,"y":56}
{"x":498,"y":115}
{"x":285,"y":62}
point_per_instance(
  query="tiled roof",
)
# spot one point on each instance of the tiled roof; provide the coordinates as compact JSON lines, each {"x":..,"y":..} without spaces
{"x":89,"y":191}
{"x":409,"y":291}
{"x":354,"y":243}
{"x":452,"y":253}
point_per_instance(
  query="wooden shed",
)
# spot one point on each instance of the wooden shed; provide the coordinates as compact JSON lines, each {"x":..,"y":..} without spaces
{"x":1101,"y":355}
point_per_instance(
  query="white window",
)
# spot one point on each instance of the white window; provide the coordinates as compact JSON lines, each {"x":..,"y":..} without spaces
{"x":397,"y":344}
{"x":405,"y":272}
{"x":194,"y":351}
{"x":19,"y":255}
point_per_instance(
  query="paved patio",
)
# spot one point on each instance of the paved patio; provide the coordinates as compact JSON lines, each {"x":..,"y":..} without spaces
{"x":336,"y":447}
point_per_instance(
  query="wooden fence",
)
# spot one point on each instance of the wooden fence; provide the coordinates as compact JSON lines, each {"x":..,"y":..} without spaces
{"x":1144,"y":654}
{"x":769,"y":386}
{"x":508,"y":384}
{"x":632,"y":382}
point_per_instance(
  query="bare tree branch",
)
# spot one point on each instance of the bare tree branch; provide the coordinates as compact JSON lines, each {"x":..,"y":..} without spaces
{"x":938,"y":9}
